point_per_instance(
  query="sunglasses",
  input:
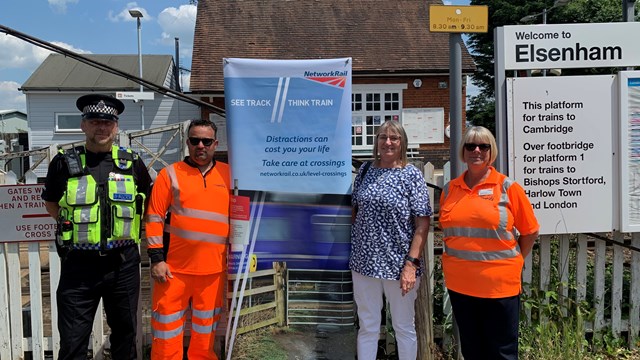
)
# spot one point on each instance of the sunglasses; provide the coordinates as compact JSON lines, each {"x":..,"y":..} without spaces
{"x":472,"y":147}
{"x":205,"y":141}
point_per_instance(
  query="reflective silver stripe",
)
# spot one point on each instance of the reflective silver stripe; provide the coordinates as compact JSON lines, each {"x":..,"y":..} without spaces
{"x":154,"y":218}
{"x":498,"y":234}
{"x":503,"y":203}
{"x":177,"y":209}
{"x":154,"y":240}
{"x":85,"y":214}
{"x":165,"y":319}
{"x":482,"y":255}
{"x":83,"y":233}
{"x":175,"y":187}
{"x":127,"y":211}
{"x":199,"y":214}
{"x":206,"y":314}
{"x":121,"y":187}
{"x":165,"y":335}
{"x":127,"y":220}
{"x":202,"y":329}
{"x":81,"y":191}
{"x":203,"y":314}
{"x":196,"y":235}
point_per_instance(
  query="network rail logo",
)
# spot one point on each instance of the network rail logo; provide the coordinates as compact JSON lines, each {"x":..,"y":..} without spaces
{"x":333,"y":78}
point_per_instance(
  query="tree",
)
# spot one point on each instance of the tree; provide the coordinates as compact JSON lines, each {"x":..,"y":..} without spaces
{"x":509,"y":12}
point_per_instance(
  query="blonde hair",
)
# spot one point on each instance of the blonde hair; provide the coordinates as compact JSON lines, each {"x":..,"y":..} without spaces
{"x":394,"y":126}
{"x":479,"y":134}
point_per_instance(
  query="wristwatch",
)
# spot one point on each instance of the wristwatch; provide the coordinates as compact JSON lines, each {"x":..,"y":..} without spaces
{"x":416,"y":262}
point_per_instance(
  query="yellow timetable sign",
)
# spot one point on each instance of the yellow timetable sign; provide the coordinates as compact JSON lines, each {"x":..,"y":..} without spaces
{"x":458,"y":19}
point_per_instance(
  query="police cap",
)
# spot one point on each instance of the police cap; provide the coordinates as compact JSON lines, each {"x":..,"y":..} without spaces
{"x":98,"y":106}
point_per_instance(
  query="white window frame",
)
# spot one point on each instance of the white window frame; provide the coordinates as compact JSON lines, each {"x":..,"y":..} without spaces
{"x":57,"y":128}
{"x":359,"y":116}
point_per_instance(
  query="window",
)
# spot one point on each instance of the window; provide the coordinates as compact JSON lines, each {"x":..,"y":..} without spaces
{"x":370,"y":107}
{"x":68,"y":123}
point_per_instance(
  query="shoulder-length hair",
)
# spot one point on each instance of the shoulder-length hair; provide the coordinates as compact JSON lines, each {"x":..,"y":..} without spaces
{"x":394,"y":126}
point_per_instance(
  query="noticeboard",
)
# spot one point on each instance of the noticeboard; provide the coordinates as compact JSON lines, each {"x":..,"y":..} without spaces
{"x":424,"y":125}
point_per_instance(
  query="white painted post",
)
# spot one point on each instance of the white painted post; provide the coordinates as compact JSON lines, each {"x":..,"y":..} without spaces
{"x":634,"y":296}
{"x":15,"y":300}
{"x":54,"y":280}
{"x":616,"y":285}
{"x":5,"y":330}
{"x":581,"y":268}
{"x":599,"y":286}
{"x":563,"y":269}
{"x":35,"y":295}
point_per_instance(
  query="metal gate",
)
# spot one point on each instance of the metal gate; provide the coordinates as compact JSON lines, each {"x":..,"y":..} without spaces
{"x":320,"y":297}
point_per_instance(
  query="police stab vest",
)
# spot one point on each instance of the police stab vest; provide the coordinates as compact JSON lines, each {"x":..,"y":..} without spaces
{"x":103,"y":216}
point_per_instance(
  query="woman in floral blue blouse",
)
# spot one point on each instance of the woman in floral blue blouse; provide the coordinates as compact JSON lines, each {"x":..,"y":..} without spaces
{"x":392,"y":215}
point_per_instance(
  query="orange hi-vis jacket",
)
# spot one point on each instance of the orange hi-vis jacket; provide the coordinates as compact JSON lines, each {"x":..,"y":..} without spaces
{"x":482,"y":257}
{"x":199,"y":223}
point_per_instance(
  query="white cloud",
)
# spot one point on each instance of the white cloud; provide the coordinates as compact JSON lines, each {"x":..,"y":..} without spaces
{"x":10,"y":97}
{"x":60,"y":6}
{"x":180,"y":23}
{"x":124,"y":15}
{"x":19,"y":54}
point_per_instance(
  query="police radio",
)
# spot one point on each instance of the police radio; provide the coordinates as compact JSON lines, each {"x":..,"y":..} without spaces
{"x":74,"y":164}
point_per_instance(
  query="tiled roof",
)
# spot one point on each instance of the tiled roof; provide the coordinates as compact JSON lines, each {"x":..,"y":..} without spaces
{"x":382,"y":36}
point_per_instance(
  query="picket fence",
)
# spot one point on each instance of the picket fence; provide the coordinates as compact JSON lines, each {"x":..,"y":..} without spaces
{"x":604,"y":275}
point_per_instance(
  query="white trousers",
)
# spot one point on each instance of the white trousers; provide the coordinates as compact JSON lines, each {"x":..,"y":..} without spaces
{"x":367,"y":293}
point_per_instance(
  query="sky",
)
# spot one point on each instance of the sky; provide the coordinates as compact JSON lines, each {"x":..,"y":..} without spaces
{"x":89,"y":27}
{"x":95,"y":27}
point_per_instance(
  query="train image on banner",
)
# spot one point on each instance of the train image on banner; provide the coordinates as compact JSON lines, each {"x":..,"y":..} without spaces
{"x":307,"y":231}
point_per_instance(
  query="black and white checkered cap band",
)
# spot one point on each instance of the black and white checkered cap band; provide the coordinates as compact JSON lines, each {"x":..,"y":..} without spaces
{"x":100,"y":107}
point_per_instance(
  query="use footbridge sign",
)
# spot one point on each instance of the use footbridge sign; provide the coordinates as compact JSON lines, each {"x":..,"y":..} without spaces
{"x":23,"y":216}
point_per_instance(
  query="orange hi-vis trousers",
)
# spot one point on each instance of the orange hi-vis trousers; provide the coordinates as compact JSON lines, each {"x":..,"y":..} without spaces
{"x":170,"y":302}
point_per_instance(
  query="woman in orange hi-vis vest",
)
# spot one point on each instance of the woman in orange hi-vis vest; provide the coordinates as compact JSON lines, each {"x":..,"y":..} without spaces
{"x":189,"y":269}
{"x":480,"y":212}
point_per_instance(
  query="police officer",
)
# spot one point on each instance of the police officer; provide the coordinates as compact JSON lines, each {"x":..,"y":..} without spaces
{"x":97,"y":194}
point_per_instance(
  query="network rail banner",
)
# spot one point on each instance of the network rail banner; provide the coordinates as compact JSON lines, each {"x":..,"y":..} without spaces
{"x":289,"y":143}
{"x":289,"y":123}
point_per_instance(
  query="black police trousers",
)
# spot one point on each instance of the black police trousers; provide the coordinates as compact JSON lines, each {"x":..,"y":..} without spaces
{"x":86,"y":277}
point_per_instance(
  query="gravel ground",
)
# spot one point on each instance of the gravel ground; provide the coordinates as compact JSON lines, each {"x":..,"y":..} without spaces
{"x":322,"y":343}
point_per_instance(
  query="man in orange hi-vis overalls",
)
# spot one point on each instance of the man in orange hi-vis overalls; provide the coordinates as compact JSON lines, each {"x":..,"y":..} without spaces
{"x":189,"y":266}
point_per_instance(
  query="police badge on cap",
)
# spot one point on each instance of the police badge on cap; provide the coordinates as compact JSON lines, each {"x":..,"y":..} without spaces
{"x":98,"y":106}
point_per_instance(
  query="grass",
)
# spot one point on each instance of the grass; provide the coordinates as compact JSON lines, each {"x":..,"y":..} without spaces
{"x":259,"y":345}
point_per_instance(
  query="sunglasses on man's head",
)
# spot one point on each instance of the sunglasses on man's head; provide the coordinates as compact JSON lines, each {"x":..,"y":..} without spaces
{"x":472,"y":147}
{"x":205,"y":141}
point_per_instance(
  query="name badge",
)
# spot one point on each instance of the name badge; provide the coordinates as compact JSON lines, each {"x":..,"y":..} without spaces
{"x":485,"y":192}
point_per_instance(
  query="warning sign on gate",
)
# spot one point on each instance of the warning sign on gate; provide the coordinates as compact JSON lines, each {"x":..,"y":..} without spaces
{"x":23,"y":216}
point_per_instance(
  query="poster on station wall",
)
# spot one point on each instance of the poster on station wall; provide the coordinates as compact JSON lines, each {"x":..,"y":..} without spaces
{"x":561,"y":150}
{"x":629,"y":85}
